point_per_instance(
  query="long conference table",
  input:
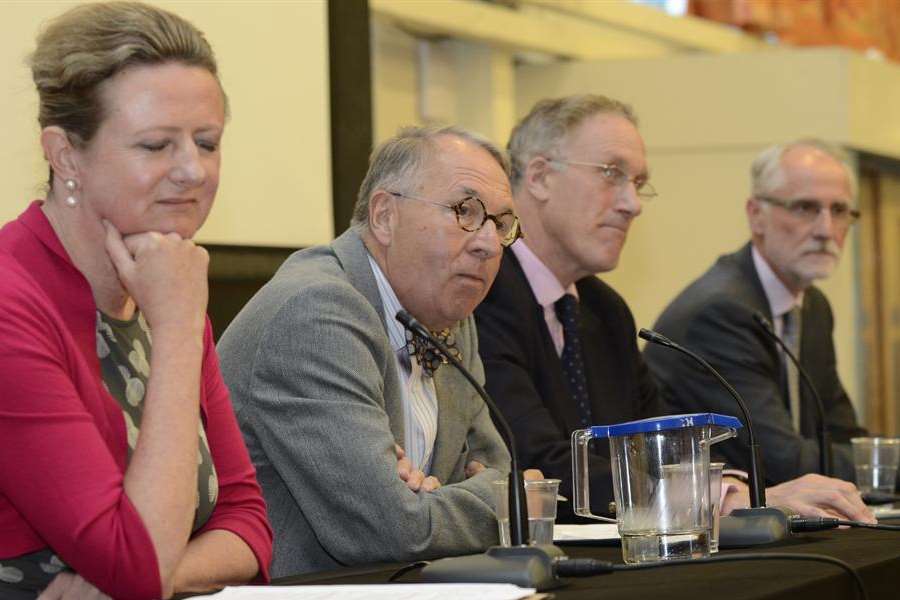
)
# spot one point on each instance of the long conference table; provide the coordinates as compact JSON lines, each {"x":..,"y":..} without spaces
{"x":874,"y":554}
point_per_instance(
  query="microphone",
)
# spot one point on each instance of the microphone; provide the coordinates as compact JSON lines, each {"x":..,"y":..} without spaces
{"x":758,"y":524}
{"x":756,"y":483}
{"x":518,"y":517}
{"x":522,"y":565}
{"x":825,"y":464}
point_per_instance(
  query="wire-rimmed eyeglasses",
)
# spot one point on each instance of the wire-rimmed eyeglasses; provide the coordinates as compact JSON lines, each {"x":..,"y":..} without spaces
{"x":471,"y":215}
{"x":808,"y":210}
{"x":616,"y":177}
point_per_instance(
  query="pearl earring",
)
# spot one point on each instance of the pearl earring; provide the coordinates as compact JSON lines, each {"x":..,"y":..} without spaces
{"x":71,"y":186}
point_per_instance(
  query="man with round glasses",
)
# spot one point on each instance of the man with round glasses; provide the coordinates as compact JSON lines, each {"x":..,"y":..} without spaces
{"x":471,"y":215}
{"x":368,"y":447}
{"x":800,"y":211}
{"x":558,"y":344}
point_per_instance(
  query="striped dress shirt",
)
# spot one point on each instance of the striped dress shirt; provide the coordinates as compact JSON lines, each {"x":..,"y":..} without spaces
{"x":420,"y":410}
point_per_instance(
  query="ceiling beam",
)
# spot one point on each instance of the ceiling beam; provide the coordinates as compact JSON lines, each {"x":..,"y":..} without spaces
{"x":526,"y":28}
{"x":689,"y":31}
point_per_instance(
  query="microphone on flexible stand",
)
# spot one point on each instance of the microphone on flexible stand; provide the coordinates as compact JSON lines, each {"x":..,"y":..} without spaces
{"x":518,"y":517}
{"x":759,"y":524}
{"x":520,"y":564}
{"x":756,"y":483}
{"x":825,"y":464}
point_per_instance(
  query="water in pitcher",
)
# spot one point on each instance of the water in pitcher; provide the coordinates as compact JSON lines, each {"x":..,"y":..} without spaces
{"x":651,"y":546}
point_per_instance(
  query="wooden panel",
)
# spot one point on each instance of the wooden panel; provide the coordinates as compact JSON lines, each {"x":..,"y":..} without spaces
{"x":890,"y":268}
{"x":351,"y":103}
{"x":879,"y":262}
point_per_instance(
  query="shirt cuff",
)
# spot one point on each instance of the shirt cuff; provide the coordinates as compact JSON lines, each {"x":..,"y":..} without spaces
{"x":741,"y":476}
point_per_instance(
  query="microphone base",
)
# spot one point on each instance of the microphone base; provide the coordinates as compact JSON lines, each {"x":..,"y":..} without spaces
{"x":524,"y":566}
{"x":873,"y":498}
{"x":755,"y":526}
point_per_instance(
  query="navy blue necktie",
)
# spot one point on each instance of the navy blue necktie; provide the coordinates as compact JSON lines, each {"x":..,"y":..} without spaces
{"x":572,"y":360}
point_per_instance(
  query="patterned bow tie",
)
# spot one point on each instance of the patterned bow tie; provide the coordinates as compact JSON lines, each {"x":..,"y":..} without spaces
{"x":429,"y":357}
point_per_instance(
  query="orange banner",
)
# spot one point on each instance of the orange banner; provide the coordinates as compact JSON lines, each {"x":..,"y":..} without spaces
{"x":866,"y":25}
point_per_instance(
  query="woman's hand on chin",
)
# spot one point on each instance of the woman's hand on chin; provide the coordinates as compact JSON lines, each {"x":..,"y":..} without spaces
{"x":71,"y":586}
{"x":166,"y":276}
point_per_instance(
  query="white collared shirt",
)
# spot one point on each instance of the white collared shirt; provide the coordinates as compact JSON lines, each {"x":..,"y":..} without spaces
{"x":781,"y":300}
{"x":420,"y":409}
{"x":546,"y":289}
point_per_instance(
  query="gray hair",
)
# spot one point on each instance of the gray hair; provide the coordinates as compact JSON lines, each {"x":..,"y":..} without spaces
{"x":767,"y":171}
{"x":541,"y":130}
{"x":399,"y":164}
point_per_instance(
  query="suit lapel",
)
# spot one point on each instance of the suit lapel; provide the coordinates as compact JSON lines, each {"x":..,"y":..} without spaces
{"x":354,"y":258}
{"x":744,"y":260}
{"x":449,"y":387}
{"x":808,"y":341}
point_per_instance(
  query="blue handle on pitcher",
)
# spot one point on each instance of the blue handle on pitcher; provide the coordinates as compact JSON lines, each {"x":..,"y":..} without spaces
{"x":665,"y":423}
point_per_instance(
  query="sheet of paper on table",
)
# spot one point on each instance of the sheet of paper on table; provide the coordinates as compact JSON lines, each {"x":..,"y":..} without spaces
{"x":592,"y":531}
{"x":396,"y":591}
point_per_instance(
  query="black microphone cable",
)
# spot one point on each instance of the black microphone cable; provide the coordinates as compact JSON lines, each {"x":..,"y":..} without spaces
{"x":589,"y":567}
{"x":586,"y":567}
{"x":801,"y":524}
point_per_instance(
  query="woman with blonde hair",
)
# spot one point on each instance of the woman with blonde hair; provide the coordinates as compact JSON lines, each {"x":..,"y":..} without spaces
{"x":122,"y":470}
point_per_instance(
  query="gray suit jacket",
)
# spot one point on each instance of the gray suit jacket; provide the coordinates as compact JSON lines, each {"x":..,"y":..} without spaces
{"x":317,"y":394}
{"x":714,"y":317}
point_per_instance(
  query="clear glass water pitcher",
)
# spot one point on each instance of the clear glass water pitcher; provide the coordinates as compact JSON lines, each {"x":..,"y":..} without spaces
{"x":660,"y":471}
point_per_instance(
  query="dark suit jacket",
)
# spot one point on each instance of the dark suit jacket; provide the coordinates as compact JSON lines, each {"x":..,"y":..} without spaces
{"x":714,"y":317}
{"x":524,"y":375}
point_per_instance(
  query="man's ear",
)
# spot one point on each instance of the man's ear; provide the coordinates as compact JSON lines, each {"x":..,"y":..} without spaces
{"x":382,"y":216}
{"x":60,"y":152}
{"x":536,"y":178}
{"x":756,"y":216}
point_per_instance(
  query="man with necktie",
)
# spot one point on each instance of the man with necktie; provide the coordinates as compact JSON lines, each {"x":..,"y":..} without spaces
{"x":801,"y":206}
{"x":558,"y":344}
{"x":328,"y":386}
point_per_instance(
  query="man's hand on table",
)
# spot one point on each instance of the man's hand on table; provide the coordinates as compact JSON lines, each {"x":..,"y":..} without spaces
{"x":811,"y":495}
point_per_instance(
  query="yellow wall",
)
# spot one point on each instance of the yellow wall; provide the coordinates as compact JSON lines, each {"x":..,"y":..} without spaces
{"x":874,"y":105}
{"x":440,"y":81}
{"x":394,"y":81}
{"x":276,"y":171}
